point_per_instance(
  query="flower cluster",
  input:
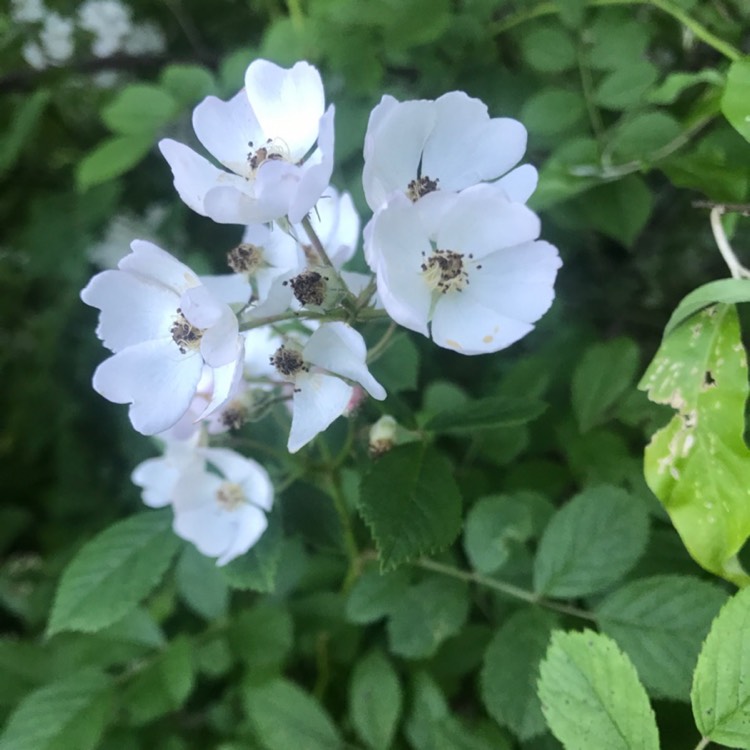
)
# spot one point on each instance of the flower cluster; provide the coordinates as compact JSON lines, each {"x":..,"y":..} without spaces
{"x":455,"y":255}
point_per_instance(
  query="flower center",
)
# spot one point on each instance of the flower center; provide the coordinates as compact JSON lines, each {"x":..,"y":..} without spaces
{"x":419,"y":187}
{"x":444,"y":271}
{"x":269,"y":151}
{"x":309,"y":287}
{"x":234,"y":415}
{"x":230,"y":496}
{"x":245,"y":258}
{"x":288,"y":362}
{"x":186,"y":336}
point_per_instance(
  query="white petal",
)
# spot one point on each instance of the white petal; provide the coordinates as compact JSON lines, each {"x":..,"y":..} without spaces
{"x":150,"y":260}
{"x":287,"y":103}
{"x":518,"y":281}
{"x":395,"y":148}
{"x":520,"y":183}
{"x":230,"y":288}
{"x":234,"y":204}
{"x":338,"y":348}
{"x":155,"y":379}
{"x":226,"y":129}
{"x":133,"y":308}
{"x":318,"y":400}
{"x":200,"y":308}
{"x":225,"y":381}
{"x":157,"y":478}
{"x":251,"y":523}
{"x":250,"y":474}
{"x":463,"y":324}
{"x":483,"y":220}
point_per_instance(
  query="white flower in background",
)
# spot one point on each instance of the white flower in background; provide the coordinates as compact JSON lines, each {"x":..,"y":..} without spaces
{"x":334,"y":351}
{"x":27,"y":11}
{"x":336,"y":223}
{"x":109,"y":21}
{"x":422,"y":146}
{"x":467,"y":265}
{"x":222,"y":514}
{"x":56,"y":38}
{"x":163,"y":326}
{"x":145,"y":39}
{"x":32,"y":53}
{"x":275,"y":139}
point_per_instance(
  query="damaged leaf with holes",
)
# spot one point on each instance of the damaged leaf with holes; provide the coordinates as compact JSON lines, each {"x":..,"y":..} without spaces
{"x":699,"y":465}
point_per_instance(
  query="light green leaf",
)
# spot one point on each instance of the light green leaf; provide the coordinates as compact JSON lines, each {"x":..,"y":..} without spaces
{"x":603,"y":374}
{"x":548,"y":49}
{"x":489,"y":412}
{"x":552,"y":111}
{"x":68,"y":713}
{"x":256,"y":569}
{"x":426,"y":615}
{"x":590,"y":543}
{"x":140,"y":109}
{"x":627,"y":86}
{"x":698,"y":465}
{"x":660,"y":623}
{"x":721,"y":690}
{"x":163,"y":685}
{"x":111,"y":158}
{"x":398,"y":366}
{"x":411,"y":503}
{"x":591,"y":696}
{"x":728,"y":291}
{"x":188,"y":84}
{"x":493,"y":527}
{"x":284,"y":716}
{"x":642,"y":136}
{"x":735,"y":103}
{"x":510,"y":668}
{"x":113,"y":572}
{"x":200,"y":584}
{"x":675,"y":84}
{"x":572,"y":12}
{"x":617,"y":43}
{"x":375,"y":595}
{"x":375,"y":700}
{"x":262,"y":637}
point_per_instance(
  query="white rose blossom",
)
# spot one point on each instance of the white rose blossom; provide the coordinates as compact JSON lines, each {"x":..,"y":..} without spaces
{"x":164,"y":328}
{"x":465,"y":268}
{"x":275,"y":138}
{"x":334,"y":352}
{"x":109,"y":21}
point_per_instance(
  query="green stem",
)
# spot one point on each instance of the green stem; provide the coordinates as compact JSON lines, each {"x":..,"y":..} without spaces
{"x":295,"y":13}
{"x":705,"y":742}
{"x":506,"y":588}
{"x":587,"y":87}
{"x":381,"y":345}
{"x":666,"y":6}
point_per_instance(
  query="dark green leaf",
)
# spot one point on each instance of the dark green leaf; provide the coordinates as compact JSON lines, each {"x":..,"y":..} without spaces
{"x":493,"y":411}
{"x":375,"y":700}
{"x":728,"y":291}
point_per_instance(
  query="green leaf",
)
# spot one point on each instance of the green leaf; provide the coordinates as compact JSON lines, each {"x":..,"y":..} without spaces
{"x":375,"y":595}
{"x":721,"y":690}
{"x":510,"y":668}
{"x":698,"y":464}
{"x":163,"y":685}
{"x":552,"y":111}
{"x":591,"y":696}
{"x":728,"y":291}
{"x":113,"y":572}
{"x":140,"y":109}
{"x":426,"y":615}
{"x":675,"y":84}
{"x":188,"y":84}
{"x":590,"y":543}
{"x":398,"y":367}
{"x":627,"y":86}
{"x":489,"y":412}
{"x":548,"y":49}
{"x":645,"y":134}
{"x":660,"y":623}
{"x":494,"y":526}
{"x":284,"y":716}
{"x":262,"y":637}
{"x":603,"y":374}
{"x":617,"y":43}
{"x":256,"y":569}
{"x":111,"y":158}
{"x":375,"y":700}
{"x":735,"y":102}
{"x":411,"y":503}
{"x":69,"y":713}
{"x":200,"y":584}
{"x":572,"y":12}
{"x":22,"y":128}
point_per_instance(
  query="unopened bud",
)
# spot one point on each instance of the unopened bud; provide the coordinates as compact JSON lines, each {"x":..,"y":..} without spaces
{"x":382,"y":435}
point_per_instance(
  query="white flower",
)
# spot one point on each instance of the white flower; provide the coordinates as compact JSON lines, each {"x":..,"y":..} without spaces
{"x":56,"y":38}
{"x":145,"y":39}
{"x":163,"y":326}
{"x":222,"y":514}
{"x":334,"y":351}
{"x":336,"y":223}
{"x":109,"y":21}
{"x":418,"y":147}
{"x":27,"y":11}
{"x":263,"y":135}
{"x":32,"y":53}
{"x":465,"y":263}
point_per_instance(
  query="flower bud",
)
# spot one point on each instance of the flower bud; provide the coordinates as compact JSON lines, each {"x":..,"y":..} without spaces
{"x":382,"y":435}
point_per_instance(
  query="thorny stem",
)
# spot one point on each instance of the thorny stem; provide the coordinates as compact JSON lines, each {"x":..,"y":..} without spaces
{"x":666,"y":6}
{"x":506,"y":588}
{"x":736,"y":269}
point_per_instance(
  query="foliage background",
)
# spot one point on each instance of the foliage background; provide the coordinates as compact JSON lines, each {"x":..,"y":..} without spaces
{"x":314,"y":647}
